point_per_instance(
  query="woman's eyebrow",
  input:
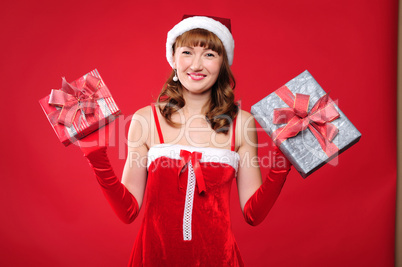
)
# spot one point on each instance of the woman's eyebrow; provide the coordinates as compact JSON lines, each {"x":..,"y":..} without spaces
{"x":192,"y":47}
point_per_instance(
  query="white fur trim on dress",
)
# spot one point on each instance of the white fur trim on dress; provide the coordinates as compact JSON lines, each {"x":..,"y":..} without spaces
{"x":209,"y":154}
{"x":201,"y":22}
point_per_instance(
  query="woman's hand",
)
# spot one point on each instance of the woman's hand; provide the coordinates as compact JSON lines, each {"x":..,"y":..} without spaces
{"x":94,"y":147}
{"x":257,"y":198}
{"x":96,"y":140}
{"x":279,"y":162}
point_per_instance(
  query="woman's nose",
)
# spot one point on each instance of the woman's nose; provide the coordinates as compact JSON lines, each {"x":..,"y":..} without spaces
{"x":196,"y":65}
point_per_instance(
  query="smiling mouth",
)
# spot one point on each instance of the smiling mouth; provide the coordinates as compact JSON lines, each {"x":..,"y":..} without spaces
{"x":196,"y":76}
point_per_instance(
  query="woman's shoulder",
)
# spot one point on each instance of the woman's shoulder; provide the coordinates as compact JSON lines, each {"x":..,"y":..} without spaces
{"x":147,"y":110}
{"x":244,"y":114}
{"x":146,"y":114}
{"x":141,"y":118}
{"x":245,"y":118}
{"x":245,"y":129}
{"x":141,"y":123}
{"x":141,"y":115}
{"x":144,"y":111}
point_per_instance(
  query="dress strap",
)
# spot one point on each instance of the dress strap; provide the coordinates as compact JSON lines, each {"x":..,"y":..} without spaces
{"x":158,"y":127}
{"x":233,"y":144}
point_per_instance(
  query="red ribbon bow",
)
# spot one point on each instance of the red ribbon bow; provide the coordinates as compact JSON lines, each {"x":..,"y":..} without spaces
{"x":297,"y":119}
{"x":77,"y":98}
{"x":195,"y":158}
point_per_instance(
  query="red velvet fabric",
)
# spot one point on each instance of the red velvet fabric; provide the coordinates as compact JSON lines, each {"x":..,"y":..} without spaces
{"x":160,"y":240}
{"x":122,"y":201}
{"x":261,"y":202}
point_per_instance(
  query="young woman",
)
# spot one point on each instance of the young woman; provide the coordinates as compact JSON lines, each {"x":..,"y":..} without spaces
{"x":185,"y":151}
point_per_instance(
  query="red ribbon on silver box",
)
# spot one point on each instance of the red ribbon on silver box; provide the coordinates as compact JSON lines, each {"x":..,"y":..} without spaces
{"x":297,"y":118}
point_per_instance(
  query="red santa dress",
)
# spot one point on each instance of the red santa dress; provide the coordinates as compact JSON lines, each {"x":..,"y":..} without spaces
{"x":186,"y":218}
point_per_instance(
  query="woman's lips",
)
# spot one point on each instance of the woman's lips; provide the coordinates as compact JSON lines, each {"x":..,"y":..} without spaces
{"x":196,"y":76}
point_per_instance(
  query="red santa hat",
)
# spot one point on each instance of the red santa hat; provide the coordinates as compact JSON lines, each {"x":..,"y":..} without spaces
{"x":219,"y":26}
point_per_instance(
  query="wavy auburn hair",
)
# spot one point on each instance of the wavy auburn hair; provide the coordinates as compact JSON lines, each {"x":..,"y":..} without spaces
{"x":221,"y":108}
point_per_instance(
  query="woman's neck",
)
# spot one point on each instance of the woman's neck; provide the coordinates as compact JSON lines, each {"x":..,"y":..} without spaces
{"x":196,"y":104}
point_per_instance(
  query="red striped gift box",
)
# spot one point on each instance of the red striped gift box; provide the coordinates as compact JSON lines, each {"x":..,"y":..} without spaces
{"x":80,"y":107}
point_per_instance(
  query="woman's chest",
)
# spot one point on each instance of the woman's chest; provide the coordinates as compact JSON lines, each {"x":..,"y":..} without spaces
{"x":177,"y":164}
{"x":192,"y":132}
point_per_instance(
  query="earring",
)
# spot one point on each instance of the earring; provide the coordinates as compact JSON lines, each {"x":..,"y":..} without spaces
{"x":175,"y":78}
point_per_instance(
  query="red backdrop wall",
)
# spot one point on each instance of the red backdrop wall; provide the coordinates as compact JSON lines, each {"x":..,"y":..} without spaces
{"x":53,"y":212}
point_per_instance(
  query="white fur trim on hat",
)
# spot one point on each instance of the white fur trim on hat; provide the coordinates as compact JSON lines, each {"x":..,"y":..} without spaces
{"x":200,"y":22}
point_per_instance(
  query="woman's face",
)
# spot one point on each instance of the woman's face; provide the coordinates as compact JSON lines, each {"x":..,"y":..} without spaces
{"x":197,"y":68}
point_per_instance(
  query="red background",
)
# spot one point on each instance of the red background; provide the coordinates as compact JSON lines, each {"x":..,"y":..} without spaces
{"x":53,"y":212}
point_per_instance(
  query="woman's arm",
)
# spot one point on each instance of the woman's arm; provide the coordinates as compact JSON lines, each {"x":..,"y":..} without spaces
{"x":135,"y":169}
{"x":256,"y":197}
{"x":126,"y":196}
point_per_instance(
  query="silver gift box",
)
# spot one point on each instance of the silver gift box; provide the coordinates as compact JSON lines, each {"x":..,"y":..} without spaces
{"x":303,"y":150}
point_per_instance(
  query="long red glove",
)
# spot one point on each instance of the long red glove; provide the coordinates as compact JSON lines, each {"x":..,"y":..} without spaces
{"x":122,"y":201}
{"x":261,"y":202}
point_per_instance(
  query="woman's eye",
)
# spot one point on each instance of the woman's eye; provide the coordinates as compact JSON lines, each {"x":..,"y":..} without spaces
{"x":210,"y":55}
{"x":186,"y":52}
